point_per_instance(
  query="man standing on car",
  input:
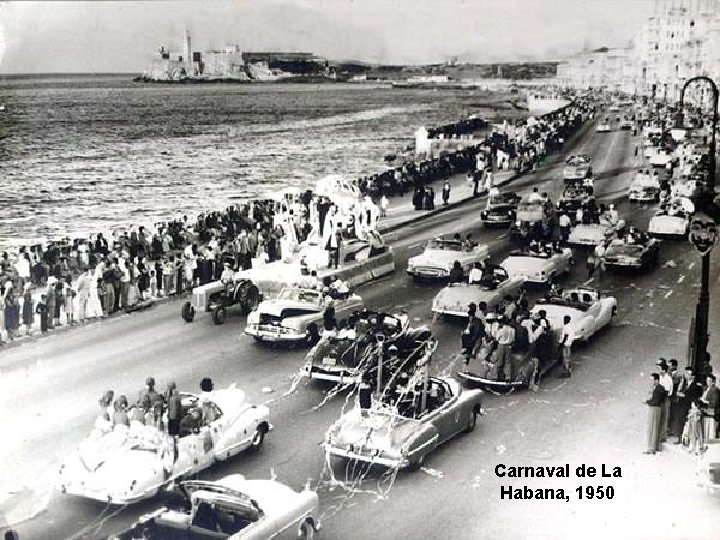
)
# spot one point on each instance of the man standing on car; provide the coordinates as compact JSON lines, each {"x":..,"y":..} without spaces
{"x":505,"y":338}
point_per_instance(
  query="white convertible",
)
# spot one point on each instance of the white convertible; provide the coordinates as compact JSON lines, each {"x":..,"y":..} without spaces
{"x":644,"y":188}
{"x":125,"y":465}
{"x":674,"y":220}
{"x":439,"y":256}
{"x":592,"y":234}
{"x":455,"y":298}
{"x":588,"y":311}
{"x":538,"y":267}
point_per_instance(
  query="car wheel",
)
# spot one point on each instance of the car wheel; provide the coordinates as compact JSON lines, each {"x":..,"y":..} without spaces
{"x":417,"y":464}
{"x":472,"y":423}
{"x":259,"y":437}
{"x":251,"y":300}
{"x":188,"y":312}
{"x":219,"y":315}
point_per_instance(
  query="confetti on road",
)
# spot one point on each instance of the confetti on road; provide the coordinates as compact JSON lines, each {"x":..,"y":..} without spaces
{"x":691,"y":266}
{"x":669,"y":264}
{"x":500,"y":449}
{"x":668,"y":294}
{"x":267,"y":390}
{"x":432,"y":472}
{"x":681,"y":278}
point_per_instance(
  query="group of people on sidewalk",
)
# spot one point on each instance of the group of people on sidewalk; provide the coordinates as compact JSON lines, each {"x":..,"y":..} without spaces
{"x":681,"y":406}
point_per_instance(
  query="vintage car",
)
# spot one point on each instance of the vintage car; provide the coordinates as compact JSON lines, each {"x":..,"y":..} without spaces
{"x":661,"y":157}
{"x":588,"y":310}
{"x":591,"y":234}
{"x":527,"y":366}
{"x":534,"y":218}
{"x":217,"y":296}
{"x":644,"y":188}
{"x":574,"y":197}
{"x":314,"y":256}
{"x":345,"y":358}
{"x":232,"y":507}
{"x":577,"y":167}
{"x":540,"y":267}
{"x":689,"y":189}
{"x":673,"y":220}
{"x":125,"y":465}
{"x":439,"y":256}
{"x":454,"y":299}
{"x":500,"y":208}
{"x":603,"y":127}
{"x":708,"y":467}
{"x":641,"y":254}
{"x":296,"y":315}
{"x":401,"y":431}
{"x":626,"y":124}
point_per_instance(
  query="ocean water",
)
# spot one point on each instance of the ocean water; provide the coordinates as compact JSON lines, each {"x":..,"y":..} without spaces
{"x":82,"y":154}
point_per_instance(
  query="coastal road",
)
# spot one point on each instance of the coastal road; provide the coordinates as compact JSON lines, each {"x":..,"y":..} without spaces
{"x":51,"y":387}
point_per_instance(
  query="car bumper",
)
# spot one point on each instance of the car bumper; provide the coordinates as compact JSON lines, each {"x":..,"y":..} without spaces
{"x":321,"y":373}
{"x":428,"y":273}
{"x":454,"y":312}
{"x":271,"y":335}
{"x":105,"y":497}
{"x":393,"y":463}
{"x":623,"y":264}
{"x":471,"y":377}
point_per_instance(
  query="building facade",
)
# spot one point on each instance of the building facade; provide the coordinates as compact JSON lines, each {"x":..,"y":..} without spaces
{"x":679,"y":41}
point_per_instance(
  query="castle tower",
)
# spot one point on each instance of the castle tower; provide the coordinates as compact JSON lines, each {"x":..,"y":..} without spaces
{"x":187,"y":55}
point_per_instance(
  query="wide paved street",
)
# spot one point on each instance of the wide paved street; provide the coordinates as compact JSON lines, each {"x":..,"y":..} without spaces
{"x":51,"y":387}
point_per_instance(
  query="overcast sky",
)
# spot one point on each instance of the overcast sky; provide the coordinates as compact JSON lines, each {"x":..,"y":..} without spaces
{"x":121,"y":36}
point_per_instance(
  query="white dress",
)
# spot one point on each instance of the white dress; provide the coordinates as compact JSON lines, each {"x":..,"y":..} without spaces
{"x":94,"y":307}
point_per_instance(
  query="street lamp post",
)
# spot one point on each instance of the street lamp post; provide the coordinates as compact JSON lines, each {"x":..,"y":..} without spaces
{"x":680,"y":121}
{"x":703,"y":235}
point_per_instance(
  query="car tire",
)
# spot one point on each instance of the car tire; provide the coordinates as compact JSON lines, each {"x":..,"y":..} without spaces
{"x":472,"y":423}
{"x":219,"y":315}
{"x":417,"y":464}
{"x":259,"y":437}
{"x":188,"y":312}
{"x":251,"y":300}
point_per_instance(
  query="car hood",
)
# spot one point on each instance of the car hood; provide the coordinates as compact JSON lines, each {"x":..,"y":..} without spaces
{"x":273,"y":497}
{"x":463,"y":294}
{"x":593,"y":231}
{"x":667,"y":222}
{"x":437,"y":258}
{"x":524,"y":266}
{"x":276,"y":307}
{"x":379,"y":431}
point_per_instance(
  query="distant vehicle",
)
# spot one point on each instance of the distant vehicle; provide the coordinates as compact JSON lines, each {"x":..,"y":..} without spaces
{"x":232,"y":507}
{"x":626,"y":124}
{"x":603,"y":127}
{"x":660,"y":157}
{"x":440,"y":254}
{"x":500,"y":208}
{"x":641,"y":255}
{"x":126,"y":466}
{"x":689,"y":189}
{"x":296,"y":315}
{"x":538,"y":267}
{"x":575,"y":197}
{"x":644,"y":189}
{"x":591,"y":234}
{"x":577,"y":167}
{"x":454,"y":299}
{"x":674,"y":223}
{"x":536,"y":218}
{"x":401,"y":432}
{"x":588,"y":310}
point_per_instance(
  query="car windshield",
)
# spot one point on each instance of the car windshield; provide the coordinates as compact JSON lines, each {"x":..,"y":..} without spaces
{"x":299,"y":295}
{"x":625,"y":249}
{"x":445,"y":245}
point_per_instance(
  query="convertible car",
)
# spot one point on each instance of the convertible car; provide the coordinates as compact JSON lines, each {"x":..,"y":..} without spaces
{"x":296,"y":315}
{"x":540,"y":267}
{"x":454,"y":299}
{"x":440,"y":254}
{"x":589,"y":311}
{"x":644,"y":189}
{"x":500,"y":208}
{"x":577,"y":167}
{"x":672,"y":222}
{"x":591,"y":234}
{"x":574,"y":197}
{"x":232,"y":507}
{"x":632,"y":255}
{"x":347,"y":357}
{"x":603,"y":127}
{"x":124,"y":465}
{"x":314,"y":256}
{"x":528,"y":367}
{"x":402,"y":430}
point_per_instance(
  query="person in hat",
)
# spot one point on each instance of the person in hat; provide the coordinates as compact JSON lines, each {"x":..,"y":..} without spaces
{"x":206,"y":386}
{"x":667,"y":383}
{"x":149,"y":391}
{"x":657,"y":397}
{"x":42,"y":310}
{"x":472,"y":333}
